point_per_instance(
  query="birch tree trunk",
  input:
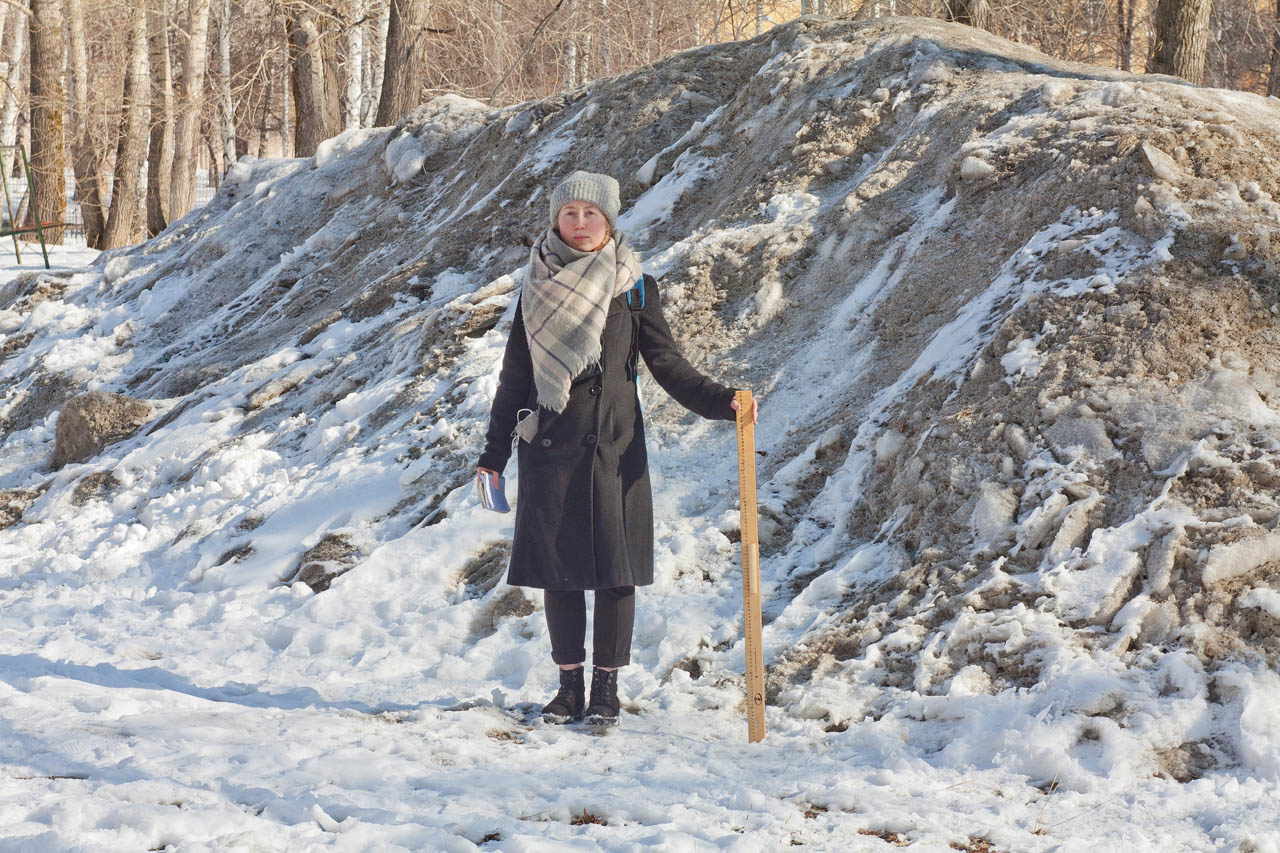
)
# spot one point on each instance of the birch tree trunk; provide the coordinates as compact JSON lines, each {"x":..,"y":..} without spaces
{"x":404,"y":72}
{"x":286,"y":96}
{"x":1181,"y":39}
{"x":317,"y":113}
{"x":651,"y":32}
{"x":263,"y":129}
{"x":973,"y":13}
{"x":355,"y":66}
{"x":160,"y":149}
{"x":12,"y":80}
{"x":497,"y":25}
{"x":48,"y":157}
{"x":377,"y":63}
{"x":131,"y":148}
{"x":1124,"y":31}
{"x":224,"y":88}
{"x":571,"y":49}
{"x":186,"y":139}
{"x":86,"y":163}
{"x":606,"y":49}
{"x":1273,"y":80}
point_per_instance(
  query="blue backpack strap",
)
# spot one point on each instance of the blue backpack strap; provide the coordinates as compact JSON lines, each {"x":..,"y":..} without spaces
{"x":635,"y":296}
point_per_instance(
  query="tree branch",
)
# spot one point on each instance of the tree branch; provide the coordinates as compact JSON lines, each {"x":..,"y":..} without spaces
{"x":527,"y":48}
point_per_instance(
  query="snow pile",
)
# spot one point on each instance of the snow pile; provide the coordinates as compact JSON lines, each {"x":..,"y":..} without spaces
{"x":1012,"y":321}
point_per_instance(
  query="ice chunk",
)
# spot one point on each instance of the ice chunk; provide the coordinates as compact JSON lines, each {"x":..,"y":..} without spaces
{"x":972,"y":168}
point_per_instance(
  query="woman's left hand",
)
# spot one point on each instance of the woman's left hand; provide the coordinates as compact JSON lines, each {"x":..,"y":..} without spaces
{"x":755,"y":408}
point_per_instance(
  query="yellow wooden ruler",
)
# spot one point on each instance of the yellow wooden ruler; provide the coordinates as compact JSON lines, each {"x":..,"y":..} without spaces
{"x":750,"y":567}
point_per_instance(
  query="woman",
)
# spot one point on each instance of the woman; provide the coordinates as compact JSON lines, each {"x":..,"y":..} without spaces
{"x":567,"y":390}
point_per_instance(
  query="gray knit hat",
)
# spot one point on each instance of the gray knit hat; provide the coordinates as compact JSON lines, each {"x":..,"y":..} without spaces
{"x":600,"y":190}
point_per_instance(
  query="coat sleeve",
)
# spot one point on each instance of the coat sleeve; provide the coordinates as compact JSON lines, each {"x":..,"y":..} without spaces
{"x":674,"y":373}
{"x":514,"y":381}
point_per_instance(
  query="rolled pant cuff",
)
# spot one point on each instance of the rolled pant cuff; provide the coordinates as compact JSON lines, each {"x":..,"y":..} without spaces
{"x":610,"y":661}
{"x":580,"y":656}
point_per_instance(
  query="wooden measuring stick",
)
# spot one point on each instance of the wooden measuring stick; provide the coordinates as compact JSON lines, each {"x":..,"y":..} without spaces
{"x":750,"y":567}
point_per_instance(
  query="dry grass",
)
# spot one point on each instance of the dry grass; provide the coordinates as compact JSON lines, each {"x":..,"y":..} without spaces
{"x":888,"y":837}
{"x":587,"y":817}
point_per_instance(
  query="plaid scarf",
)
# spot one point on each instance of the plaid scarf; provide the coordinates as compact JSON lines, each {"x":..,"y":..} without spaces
{"x":565,"y":301}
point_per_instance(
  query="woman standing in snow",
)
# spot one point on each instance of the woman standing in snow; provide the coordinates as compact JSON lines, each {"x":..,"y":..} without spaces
{"x":567,"y":389}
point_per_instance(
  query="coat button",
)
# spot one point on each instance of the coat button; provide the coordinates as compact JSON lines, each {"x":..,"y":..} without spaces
{"x":546,"y":442}
{"x":589,"y":438}
{"x":595,"y":390}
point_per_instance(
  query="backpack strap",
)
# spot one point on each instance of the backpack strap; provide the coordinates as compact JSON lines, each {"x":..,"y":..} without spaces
{"x":635,"y":301}
{"x":635,"y":296}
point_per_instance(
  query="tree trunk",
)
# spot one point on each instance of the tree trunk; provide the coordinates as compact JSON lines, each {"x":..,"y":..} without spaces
{"x":1273,"y":81}
{"x":264,"y":129}
{"x":12,"y":81}
{"x":606,"y":49}
{"x":355,"y":67}
{"x":160,"y":149}
{"x":7,"y":13}
{"x":651,"y":32}
{"x":571,"y":49}
{"x":377,"y":64}
{"x":224,"y":87}
{"x":186,"y":139}
{"x":404,"y":73}
{"x":1124,"y":31}
{"x":48,"y":158}
{"x":1181,"y":39}
{"x":86,"y":162}
{"x":973,"y":13}
{"x":286,"y":94}
{"x":131,"y":149}
{"x":317,"y":114}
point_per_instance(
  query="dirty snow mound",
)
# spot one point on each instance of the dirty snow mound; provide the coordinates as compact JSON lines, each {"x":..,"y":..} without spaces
{"x":1013,"y":323}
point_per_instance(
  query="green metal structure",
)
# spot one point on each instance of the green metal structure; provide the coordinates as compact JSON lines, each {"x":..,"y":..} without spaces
{"x":39,"y":226}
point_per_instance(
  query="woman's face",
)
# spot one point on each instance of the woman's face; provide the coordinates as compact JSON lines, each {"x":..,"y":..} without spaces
{"x":582,"y":225}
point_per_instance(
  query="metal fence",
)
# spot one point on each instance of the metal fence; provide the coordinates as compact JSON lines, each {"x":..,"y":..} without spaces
{"x":73,"y":218}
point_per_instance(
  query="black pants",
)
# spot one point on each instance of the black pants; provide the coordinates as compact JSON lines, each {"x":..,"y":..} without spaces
{"x":615,"y":618}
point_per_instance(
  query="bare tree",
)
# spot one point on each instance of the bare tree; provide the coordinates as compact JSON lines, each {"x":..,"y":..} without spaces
{"x":1273,"y":79}
{"x":974,"y":13}
{"x":187,"y":133}
{"x":404,"y":73}
{"x":1181,"y":38}
{"x":86,"y":164}
{"x":160,"y":149}
{"x":228,"y":111}
{"x":317,"y":113}
{"x":376,"y":63}
{"x":48,"y":157}
{"x":131,"y":148}
{"x":1125,"y":12}
{"x":12,"y":81}
{"x":355,"y":66}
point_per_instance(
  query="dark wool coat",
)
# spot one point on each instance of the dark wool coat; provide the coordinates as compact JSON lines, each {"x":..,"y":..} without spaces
{"x":584,"y":515}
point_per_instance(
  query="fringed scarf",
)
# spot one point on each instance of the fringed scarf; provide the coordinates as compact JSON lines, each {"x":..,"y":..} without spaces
{"x":565,"y":302}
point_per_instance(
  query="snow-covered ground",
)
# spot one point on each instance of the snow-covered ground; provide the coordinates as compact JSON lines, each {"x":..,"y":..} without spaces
{"x":1012,"y":323}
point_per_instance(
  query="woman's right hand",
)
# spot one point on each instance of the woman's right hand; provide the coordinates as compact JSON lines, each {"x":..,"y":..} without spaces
{"x":493,"y":475}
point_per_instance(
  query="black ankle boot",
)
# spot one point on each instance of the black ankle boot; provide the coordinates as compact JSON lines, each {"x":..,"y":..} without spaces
{"x":567,"y":704}
{"x":604,"y":707}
